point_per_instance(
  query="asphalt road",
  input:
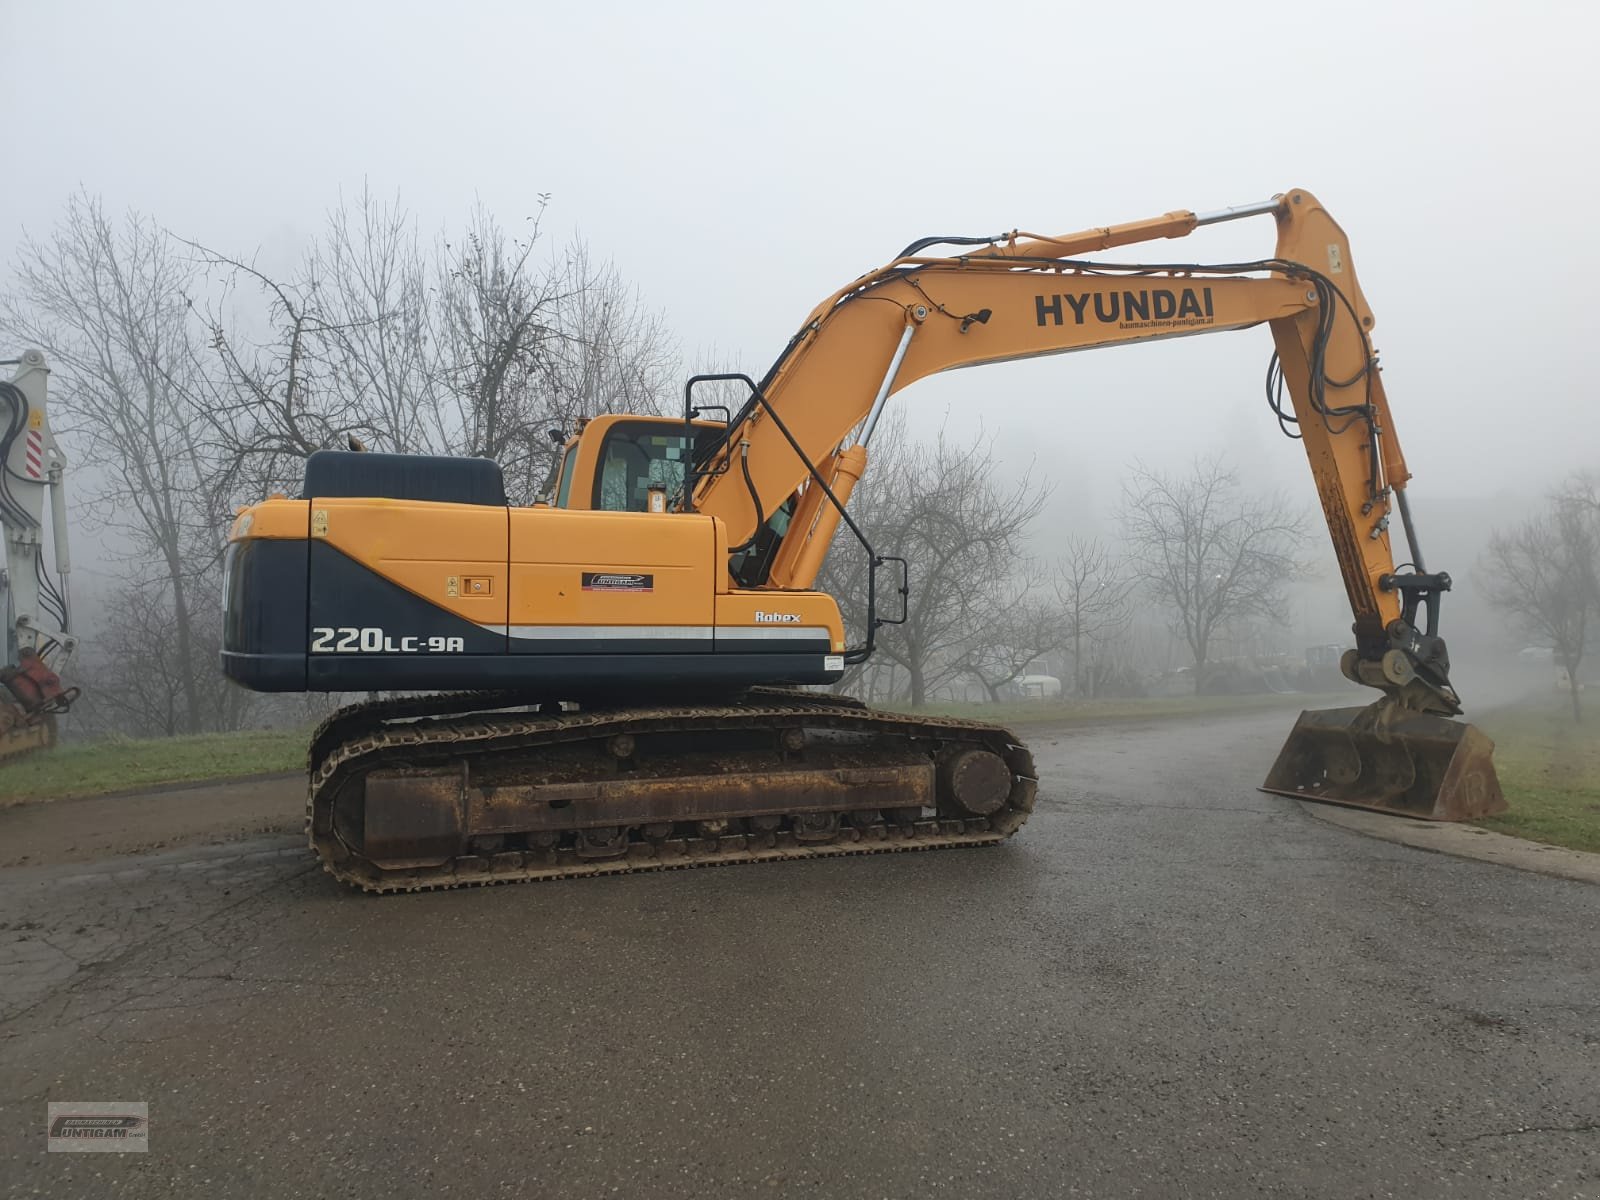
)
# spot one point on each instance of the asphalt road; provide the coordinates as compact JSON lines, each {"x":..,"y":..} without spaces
{"x":1166,"y":985}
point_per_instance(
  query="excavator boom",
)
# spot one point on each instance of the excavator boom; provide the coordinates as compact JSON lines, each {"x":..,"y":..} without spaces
{"x":1022,"y":296}
{"x":631,"y":626}
{"x":1027,"y":296}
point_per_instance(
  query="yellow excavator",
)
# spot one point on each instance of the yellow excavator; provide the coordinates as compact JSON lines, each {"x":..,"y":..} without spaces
{"x":611,"y":679}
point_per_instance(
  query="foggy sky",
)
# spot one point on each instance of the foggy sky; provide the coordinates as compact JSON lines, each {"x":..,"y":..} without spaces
{"x":739,"y":163}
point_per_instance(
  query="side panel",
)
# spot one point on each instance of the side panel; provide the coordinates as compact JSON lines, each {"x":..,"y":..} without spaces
{"x":406,"y":577}
{"x":364,"y":603}
{"x":774,"y":622}
{"x":356,"y":612}
{"x":586,"y":582}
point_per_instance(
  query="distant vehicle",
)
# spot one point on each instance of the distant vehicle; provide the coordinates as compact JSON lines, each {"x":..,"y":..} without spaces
{"x":1545,"y":656}
{"x":1039,"y":687}
{"x":1320,"y":657}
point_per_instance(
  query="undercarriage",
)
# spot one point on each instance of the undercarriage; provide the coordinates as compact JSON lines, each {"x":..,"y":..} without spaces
{"x":472,"y":788}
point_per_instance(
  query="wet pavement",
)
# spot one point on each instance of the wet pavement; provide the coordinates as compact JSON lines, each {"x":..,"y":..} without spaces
{"x":1167,"y":985}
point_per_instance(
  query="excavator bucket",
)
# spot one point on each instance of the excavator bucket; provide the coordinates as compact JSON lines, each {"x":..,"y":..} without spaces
{"x":1392,"y":760}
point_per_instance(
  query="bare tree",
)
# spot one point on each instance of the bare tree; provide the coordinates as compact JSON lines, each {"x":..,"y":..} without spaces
{"x":1542,"y":574}
{"x":939,"y":505}
{"x":190,"y":379}
{"x":1091,"y":586}
{"x":378,"y":334}
{"x":269,"y":395}
{"x":1206,"y":550}
{"x":1578,"y":502}
{"x":615,"y":354}
{"x":479,"y":348}
{"x":1021,"y":626}
{"x":498,"y":326}
{"x":349,"y":344}
{"x":136,"y":679}
{"x":108,"y":303}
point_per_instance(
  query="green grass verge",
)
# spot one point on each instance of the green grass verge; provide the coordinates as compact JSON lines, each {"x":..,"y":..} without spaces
{"x":121,"y":764}
{"x":1090,"y":712}
{"x":1549,"y":769}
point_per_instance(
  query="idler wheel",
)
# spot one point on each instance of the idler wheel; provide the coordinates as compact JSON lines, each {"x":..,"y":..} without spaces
{"x":978,"y":782}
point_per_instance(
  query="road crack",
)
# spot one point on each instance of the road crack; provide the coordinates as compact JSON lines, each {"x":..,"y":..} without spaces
{"x":1587,"y":1127}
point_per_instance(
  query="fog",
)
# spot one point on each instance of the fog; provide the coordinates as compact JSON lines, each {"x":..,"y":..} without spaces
{"x":738,"y":163}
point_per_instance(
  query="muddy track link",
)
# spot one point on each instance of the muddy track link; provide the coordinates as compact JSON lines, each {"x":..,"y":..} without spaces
{"x":461,"y":754}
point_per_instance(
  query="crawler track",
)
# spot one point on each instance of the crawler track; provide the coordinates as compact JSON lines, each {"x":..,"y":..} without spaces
{"x":476,"y":788}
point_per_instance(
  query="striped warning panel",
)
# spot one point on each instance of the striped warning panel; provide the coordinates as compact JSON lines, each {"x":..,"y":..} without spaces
{"x":33,"y":467}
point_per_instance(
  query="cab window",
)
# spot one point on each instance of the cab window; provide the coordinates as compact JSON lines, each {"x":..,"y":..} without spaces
{"x":636,"y":456}
{"x":564,"y":490}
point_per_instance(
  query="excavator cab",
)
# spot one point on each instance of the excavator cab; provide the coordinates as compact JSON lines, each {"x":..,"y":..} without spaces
{"x":614,"y":462}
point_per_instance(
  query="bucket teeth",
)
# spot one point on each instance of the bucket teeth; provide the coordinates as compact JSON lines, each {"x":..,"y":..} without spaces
{"x":1390,"y":759}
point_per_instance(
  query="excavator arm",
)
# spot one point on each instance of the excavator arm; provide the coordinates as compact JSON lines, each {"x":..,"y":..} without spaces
{"x":1023,"y":296}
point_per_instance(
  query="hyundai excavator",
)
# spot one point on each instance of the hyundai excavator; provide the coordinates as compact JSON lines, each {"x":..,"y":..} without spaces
{"x":613,"y":679}
{"x":38,"y":641}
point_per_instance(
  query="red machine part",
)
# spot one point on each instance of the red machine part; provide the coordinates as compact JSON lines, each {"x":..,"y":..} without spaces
{"x":36,"y":687}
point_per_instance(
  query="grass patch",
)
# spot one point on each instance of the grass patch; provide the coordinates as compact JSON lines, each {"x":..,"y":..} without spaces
{"x":1089,"y":712}
{"x":1549,"y":769}
{"x":121,"y":764}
